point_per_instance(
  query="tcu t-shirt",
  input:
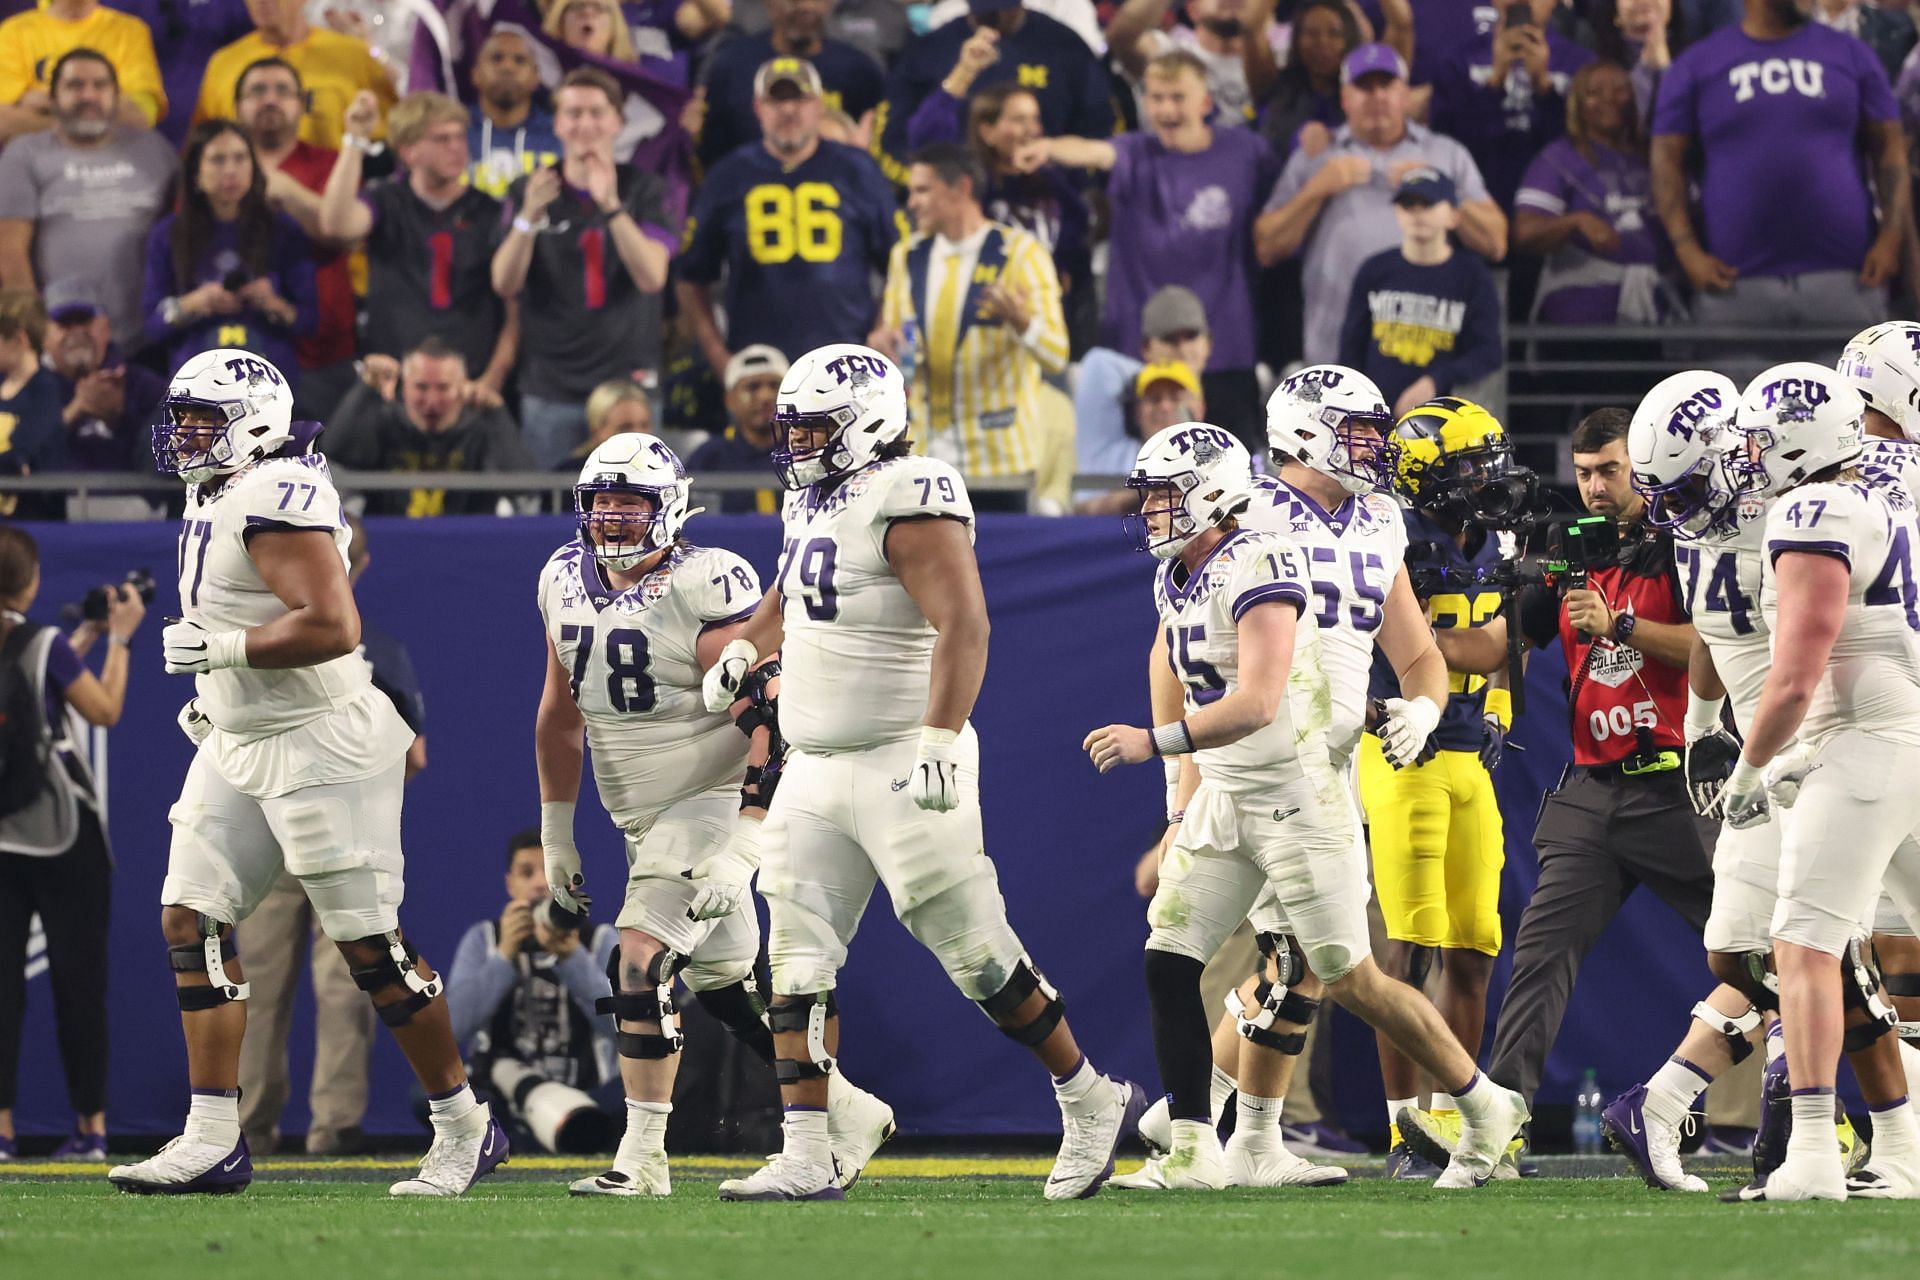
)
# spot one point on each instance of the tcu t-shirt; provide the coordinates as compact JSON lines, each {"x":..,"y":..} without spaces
{"x":1783,"y":188}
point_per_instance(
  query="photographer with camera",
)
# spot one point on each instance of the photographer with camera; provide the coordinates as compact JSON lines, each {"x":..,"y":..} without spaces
{"x":521,"y":992}
{"x":1620,"y":817}
{"x":54,"y":857}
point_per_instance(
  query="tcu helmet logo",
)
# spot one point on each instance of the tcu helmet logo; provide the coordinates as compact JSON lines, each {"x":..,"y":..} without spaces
{"x":857,"y":369}
{"x":1207,"y":444}
{"x":1687,"y":414}
{"x":1793,"y":399}
{"x":1775,"y":76}
{"x":1312,"y":384}
{"x":253,"y":370}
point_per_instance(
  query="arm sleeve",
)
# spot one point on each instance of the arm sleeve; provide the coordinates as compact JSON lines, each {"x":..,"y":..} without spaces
{"x":1476,"y":352}
{"x":941,"y":118}
{"x":477,"y":981}
{"x":1266,"y":572}
{"x":1825,"y":519}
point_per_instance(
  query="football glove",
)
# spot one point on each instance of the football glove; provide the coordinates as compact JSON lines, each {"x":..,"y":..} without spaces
{"x":721,"y":687}
{"x":1786,"y":773}
{"x":1494,"y":744}
{"x":563,"y":859}
{"x":1744,"y":797}
{"x":194,"y":723}
{"x":1710,"y":761}
{"x":192,"y":650}
{"x":721,"y":881}
{"x":1405,"y":729}
{"x":935,"y":781}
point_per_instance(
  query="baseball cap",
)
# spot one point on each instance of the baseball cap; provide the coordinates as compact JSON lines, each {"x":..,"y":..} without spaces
{"x":1173,"y":309}
{"x":1425,"y":185}
{"x":1174,"y":371}
{"x":796,"y":74}
{"x":71,"y":301}
{"x":750,"y":362}
{"x":1372,"y":59}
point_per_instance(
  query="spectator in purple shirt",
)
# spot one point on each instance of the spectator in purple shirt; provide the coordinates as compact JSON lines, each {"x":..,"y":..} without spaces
{"x":1184,"y":197}
{"x":227,"y":271}
{"x":1586,"y":206}
{"x":108,"y":404}
{"x":1777,"y":111}
{"x":1505,"y":96}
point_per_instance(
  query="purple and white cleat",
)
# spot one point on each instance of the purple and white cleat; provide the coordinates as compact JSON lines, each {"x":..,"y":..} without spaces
{"x":186,"y":1167}
{"x":1091,"y":1134}
{"x":462,"y":1153}
{"x":1776,"y":1112}
{"x":83,"y":1146}
{"x":786,"y":1177}
{"x":1652,"y":1145}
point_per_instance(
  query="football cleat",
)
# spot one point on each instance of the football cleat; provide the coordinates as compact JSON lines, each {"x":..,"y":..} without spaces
{"x":83,"y":1146}
{"x":1264,"y":1161}
{"x":1196,"y":1163}
{"x":186,"y":1167}
{"x":1486,"y":1145}
{"x":858,"y":1124}
{"x":651,"y":1179}
{"x":1090,"y":1135}
{"x":1776,"y":1114}
{"x":1886,"y":1179}
{"x":463,"y":1152}
{"x":1318,"y":1138}
{"x":785,"y":1177}
{"x":1156,"y":1126}
{"x":1854,"y":1149}
{"x":1405,"y":1165}
{"x":1652,"y":1146}
{"x":1148,"y":1177}
{"x":1784,"y":1184}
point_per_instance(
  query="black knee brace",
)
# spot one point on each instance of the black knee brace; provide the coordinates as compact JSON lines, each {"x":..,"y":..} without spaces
{"x":1860,"y":989}
{"x":649,"y":1004}
{"x":1762,"y":986}
{"x":1902,"y":984}
{"x":1023,"y":982}
{"x":206,"y":956}
{"x":809,"y":1014}
{"x":1273,"y":1003}
{"x":1736,"y":1029}
{"x":738,"y":1006}
{"x":762,"y":709}
{"x":396,"y":968}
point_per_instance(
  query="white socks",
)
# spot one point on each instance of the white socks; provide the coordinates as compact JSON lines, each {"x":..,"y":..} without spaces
{"x":1813,"y":1136}
{"x":213,"y":1117}
{"x":646,"y":1134}
{"x":1258,"y":1115}
{"x":1075,"y":1088}
{"x":806,"y":1136}
{"x":1395,"y":1106}
{"x":452,"y":1107}
{"x":1671,"y":1091}
{"x":1220,"y":1087}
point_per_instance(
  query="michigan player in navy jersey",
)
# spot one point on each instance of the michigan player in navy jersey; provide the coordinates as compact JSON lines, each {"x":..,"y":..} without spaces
{"x":800,"y":225}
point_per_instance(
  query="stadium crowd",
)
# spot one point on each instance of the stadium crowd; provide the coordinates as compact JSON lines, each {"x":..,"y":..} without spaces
{"x":467,"y":225}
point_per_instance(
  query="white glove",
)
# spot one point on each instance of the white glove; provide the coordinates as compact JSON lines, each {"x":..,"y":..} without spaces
{"x":1744,"y":798}
{"x":563,"y":859}
{"x":1404,"y":732}
{"x":1786,"y":773}
{"x":721,"y":687}
{"x":194,"y":723}
{"x":192,"y":650}
{"x":935,"y":781}
{"x":721,"y":881}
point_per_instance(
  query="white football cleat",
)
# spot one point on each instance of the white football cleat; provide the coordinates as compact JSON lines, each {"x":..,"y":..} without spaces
{"x":858,"y":1124}
{"x":650,"y":1179}
{"x":1789,"y":1183}
{"x":187,"y":1166}
{"x":785,"y":1177}
{"x":1091,"y":1131}
{"x":1148,"y":1177}
{"x":462,"y":1153}
{"x":1886,"y":1178}
{"x":1263,"y":1160}
{"x":1483,"y":1143}
{"x":1156,"y":1126}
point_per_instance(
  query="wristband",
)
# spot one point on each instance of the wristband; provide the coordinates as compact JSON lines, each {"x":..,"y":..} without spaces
{"x":119,"y":642}
{"x":1499,"y":705}
{"x":1744,"y":773}
{"x":1172,"y":739}
{"x":525,"y":227}
{"x":226,"y":649}
{"x":357,"y":143}
{"x":936,"y":743}
{"x":615,"y":212}
{"x":1703,"y":715}
{"x":556,"y":823}
{"x":1175,"y":816}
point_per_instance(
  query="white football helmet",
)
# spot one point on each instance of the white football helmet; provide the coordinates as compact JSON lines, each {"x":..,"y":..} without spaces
{"x":1883,"y":365}
{"x":1202,"y":477}
{"x":853,"y":393}
{"x":1311,"y":418}
{"x":251,"y":406}
{"x":1798,"y":419}
{"x":1688,"y":461}
{"x":632,"y":463}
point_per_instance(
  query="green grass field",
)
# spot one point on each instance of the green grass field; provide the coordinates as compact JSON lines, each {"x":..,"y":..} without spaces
{"x":966,"y":1218}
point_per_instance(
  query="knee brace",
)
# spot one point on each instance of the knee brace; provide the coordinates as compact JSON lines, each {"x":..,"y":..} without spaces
{"x":649,"y":1004}
{"x":1860,"y":989}
{"x":739,"y":1008}
{"x":762,"y":709}
{"x":1275,"y":1002}
{"x":808,"y":1013}
{"x":1002,"y":1005}
{"x":396,"y":968}
{"x":1901,"y":984}
{"x":209,"y":955}
{"x":1419,"y":965}
{"x":1736,"y":1029}
{"x":1763,"y":986}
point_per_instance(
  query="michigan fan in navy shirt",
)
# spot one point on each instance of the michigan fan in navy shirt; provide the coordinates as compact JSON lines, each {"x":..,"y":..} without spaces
{"x":800,"y":224}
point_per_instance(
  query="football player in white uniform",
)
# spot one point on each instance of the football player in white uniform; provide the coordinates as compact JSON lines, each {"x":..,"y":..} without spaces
{"x":1260,"y":803}
{"x":1325,"y":430}
{"x":298,"y":768}
{"x":1833,"y":745}
{"x":882,"y":627}
{"x":634,"y":617}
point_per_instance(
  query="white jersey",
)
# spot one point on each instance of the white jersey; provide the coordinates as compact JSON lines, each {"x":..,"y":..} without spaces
{"x":1872,"y":680}
{"x":635,"y":674}
{"x":1352,"y":556}
{"x":1720,"y":585}
{"x":857,"y":661}
{"x":222,"y":590}
{"x":1201,"y":614}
